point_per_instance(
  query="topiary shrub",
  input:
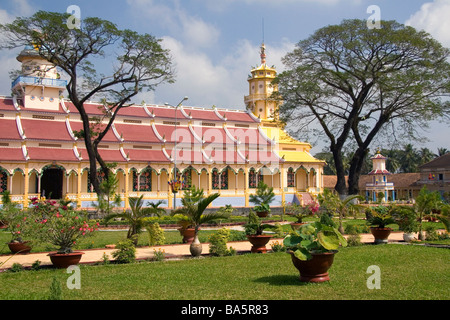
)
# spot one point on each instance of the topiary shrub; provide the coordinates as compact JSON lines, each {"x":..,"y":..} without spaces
{"x":125,"y":253}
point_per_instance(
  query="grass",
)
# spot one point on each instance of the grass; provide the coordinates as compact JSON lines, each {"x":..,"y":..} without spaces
{"x":407,"y":273}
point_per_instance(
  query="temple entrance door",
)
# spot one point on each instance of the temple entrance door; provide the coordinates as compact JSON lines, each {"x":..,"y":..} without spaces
{"x":51,"y":183}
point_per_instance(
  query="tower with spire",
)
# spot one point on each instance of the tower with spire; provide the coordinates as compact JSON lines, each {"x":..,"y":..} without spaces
{"x":259,"y":100}
{"x":38,"y":85}
{"x":379,"y":183}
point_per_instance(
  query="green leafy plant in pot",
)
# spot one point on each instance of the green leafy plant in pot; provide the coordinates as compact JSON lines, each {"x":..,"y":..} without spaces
{"x":254,"y":230}
{"x":379,"y":218}
{"x":312,"y":248}
{"x":193,"y":210}
{"x":262,"y":199}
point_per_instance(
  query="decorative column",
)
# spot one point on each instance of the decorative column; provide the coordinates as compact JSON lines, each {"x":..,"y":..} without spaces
{"x":127,"y":185}
{"x":26,"y":186}
{"x":79,"y":177}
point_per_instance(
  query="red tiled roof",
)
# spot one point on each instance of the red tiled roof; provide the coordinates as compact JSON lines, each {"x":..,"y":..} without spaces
{"x":108,"y":155}
{"x":109,"y":137}
{"x":57,"y":154}
{"x":45,"y":130}
{"x":8,"y":130}
{"x":228,"y":157}
{"x":11,"y":154}
{"x":200,"y":114}
{"x":7,"y":104}
{"x":248,"y":136}
{"x":136,"y":133}
{"x":182,"y":134}
{"x":216,"y":135}
{"x":233,"y":115}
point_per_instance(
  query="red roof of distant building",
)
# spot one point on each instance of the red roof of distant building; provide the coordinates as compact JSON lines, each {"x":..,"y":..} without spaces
{"x":8,"y":130}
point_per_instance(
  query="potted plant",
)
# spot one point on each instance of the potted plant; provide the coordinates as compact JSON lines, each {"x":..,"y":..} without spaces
{"x":191,"y":196}
{"x":379,"y":218}
{"x":136,"y":216}
{"x":301,"y":212}
{"x":312,"y":248}
{"x":406,"y":218}
{"x":262,"y":198}
{"x":332,"y":203}
{"x":193,"y":210}
{"x":254,"y":231}
{"x":17,"y":222}
{"x":61,"y":226}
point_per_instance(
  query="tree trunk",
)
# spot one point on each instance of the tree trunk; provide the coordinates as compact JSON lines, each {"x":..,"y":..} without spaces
{"x":355,"y":170}
{"x":341,"y":187}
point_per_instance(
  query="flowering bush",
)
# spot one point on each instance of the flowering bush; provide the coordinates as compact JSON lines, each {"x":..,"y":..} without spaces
{"x":59,"y":224}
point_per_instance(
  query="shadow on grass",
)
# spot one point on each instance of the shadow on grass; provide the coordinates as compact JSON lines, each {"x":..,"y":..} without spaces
{"x":281,"y":280}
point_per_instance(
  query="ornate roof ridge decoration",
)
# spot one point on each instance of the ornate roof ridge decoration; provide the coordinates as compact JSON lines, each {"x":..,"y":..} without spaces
{"x":15,"y":103}
{"x":77,"y":153}
{"x":162,"y":139}
{"x":218,"y":114}
{"x":257,"y":119}
{"x":166,"y":154}
{"x":116,"y":134}
{"x":25,"y":152}
{"x":187,"y":116}
{"x":261,"y":131}
{"x":244,"y":158}
{"x":229,"y":135}
{"x":150,"y":114}
{"x":198,"y":138}
{"x":63,"y":105}
{"x":208,"y":159}
{"x":19,"y":127}
{"x":69,"y":129}
{"x":122,"y":152}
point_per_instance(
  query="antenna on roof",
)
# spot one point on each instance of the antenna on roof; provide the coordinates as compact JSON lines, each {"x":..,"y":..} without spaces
{"x":263,"y":30}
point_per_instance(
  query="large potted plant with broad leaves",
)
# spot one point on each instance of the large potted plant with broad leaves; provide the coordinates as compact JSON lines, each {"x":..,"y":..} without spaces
{"x":312,"y":248}
{"x":254,"y":230}
{"x":262,"y":198}
{"x":194,"y":213}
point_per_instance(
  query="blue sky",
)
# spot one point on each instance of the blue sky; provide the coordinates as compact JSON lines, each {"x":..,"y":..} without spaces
{"x":215,"y":43}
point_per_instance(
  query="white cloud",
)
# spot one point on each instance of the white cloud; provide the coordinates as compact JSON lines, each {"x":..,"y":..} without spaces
{"x":433,"y":18}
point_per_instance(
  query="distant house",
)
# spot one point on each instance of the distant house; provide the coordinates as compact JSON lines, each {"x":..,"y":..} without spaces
{"x":434,"y":174}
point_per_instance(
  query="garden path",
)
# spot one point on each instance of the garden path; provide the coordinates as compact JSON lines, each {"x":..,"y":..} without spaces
{"x":174,"y":251}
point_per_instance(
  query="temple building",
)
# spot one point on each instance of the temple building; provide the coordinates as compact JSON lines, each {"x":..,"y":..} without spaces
{"x":220,"y":150}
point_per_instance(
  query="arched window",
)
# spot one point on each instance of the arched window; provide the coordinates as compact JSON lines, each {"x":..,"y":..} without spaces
{"x":186,"y":179}
{"x":290,"y":178}
{"x":215,"y":179}
{"x":224,"y":179}
{"x":252,"y":178}
{"x":3,"y":180}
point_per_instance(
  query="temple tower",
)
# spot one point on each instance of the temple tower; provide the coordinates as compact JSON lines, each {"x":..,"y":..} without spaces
{"x":38,"y":84}
{"x":259,"y":100}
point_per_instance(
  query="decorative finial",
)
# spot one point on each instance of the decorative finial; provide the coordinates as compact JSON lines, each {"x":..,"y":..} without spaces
{"x":263,"y":54}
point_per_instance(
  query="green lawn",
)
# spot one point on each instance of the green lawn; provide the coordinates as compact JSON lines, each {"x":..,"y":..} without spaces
{"x":407,"y":273}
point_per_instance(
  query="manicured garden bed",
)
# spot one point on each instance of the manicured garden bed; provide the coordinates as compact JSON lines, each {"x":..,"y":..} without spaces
{"x":407,"y":273}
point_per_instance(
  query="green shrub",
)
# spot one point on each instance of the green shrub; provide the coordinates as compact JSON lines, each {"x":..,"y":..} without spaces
{"x":218,"y":243}
{"x":354,"y":240}
{"x":16,"y":267}
{"x":155,"y":234}
{"x":55,"y":290}
{"x":126,"y":252}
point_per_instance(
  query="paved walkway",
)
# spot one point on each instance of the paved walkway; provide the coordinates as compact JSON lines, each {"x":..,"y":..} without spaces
{"x":175,"y":251}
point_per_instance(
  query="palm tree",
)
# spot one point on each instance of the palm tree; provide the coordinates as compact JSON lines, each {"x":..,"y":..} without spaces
{"x":333,"y":203}
{"x":409,"y":159}
{"x":426,"y":155}
{"x":193,"y":211}
{"x":442,"y":151}
{"x":135,"y":216}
